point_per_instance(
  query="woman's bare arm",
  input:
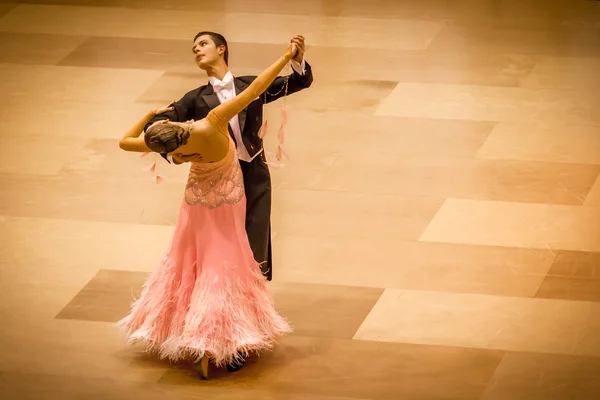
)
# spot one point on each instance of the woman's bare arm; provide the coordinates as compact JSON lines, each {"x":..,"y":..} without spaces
{"x":222,"y":114}
{"x":132,"y":141}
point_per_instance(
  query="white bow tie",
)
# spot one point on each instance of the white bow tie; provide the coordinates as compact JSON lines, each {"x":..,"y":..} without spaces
{"x":223,"y":85}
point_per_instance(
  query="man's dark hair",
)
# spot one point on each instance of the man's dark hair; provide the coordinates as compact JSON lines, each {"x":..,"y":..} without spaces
{"x":219,"y":41}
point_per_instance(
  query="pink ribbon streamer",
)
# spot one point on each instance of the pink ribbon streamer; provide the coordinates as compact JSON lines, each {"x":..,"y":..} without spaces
{"x":152,"y":169}
{"x":279,"y":152}
{"x":263,"y":129}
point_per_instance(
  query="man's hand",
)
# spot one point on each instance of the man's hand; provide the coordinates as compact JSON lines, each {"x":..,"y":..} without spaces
{"x":299,"y":41}
{"x":161,"y":110}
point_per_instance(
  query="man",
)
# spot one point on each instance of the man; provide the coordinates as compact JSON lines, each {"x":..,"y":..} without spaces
{"x":212,"y":55}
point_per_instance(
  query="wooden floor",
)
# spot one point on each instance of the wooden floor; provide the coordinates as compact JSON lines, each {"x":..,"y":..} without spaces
{"x":437,"y":229}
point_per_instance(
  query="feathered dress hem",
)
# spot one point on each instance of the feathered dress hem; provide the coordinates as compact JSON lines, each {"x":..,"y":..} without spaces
{"x":226,"y":321}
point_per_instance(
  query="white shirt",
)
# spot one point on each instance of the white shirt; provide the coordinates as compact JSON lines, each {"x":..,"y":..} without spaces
{"x":227,"y":92}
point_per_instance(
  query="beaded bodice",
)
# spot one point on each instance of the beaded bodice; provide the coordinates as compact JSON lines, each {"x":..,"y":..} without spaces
{"x":222,"y":182}
{"x":214,"y":184}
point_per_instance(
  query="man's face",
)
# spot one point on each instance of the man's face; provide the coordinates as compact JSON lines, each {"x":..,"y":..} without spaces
{"x":206,"y":52}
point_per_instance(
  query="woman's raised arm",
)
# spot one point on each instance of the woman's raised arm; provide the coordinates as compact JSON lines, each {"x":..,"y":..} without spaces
{"x":222,"y":114}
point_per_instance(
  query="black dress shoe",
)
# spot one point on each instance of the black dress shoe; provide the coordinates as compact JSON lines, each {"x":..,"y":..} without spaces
{"x":236,"y":365}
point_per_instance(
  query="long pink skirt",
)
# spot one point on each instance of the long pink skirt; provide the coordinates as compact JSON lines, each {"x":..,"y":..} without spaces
{"x":207,"y":294}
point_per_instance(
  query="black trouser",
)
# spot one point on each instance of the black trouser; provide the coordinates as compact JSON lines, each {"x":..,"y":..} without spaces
{"x":257,"y":183}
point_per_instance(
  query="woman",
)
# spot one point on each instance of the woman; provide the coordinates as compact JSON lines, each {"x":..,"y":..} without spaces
{"x":208,"y":297}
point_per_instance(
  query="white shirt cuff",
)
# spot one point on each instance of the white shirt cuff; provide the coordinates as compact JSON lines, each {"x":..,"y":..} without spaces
{"x":299,"y":67}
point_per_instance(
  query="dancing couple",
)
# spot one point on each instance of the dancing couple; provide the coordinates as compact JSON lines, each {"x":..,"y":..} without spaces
{"x":208,"y":298}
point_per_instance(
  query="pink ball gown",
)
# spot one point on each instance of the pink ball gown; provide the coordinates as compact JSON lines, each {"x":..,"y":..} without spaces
{"x":208,"y":295}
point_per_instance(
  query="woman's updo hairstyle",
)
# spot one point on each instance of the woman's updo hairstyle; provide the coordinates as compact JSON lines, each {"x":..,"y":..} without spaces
{"x":165,"y":138}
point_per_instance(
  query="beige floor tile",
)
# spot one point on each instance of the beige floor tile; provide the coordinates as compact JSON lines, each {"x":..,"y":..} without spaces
{"x":313,"y":142}
{"x":314,"y":310}
{"x":309,"y":7}
{"x":40,"y":154}
{"x":368,"y":138}
{"x":92,"y":197}
{"x":390,"y":263}
{"x":37,"y":386}
{"x":574,"y":73}
{"x":543,"y":142}
{"x":75,"y":83}
{"x":19,"y":48}
{"x":5,"y":8}
{"x":348,"y":96}
{"x":333,"y":311}
{"x":503,"y":180}
{"x":468,"y":12}
{"x":525,"y":14}
{"x":483,"y":321}
{"x":398,"y":34}
{"x":134,"y":53}
{"x":384,"y":140}
{"x":593,"y":197}
{"x":381,"y":9}
{"x":570,"y":289}
{"x":362,"y":370}
{"x":487,"y":103}
{"x":62,"y":246}
{"x":107,"y":297}
{"x":173,"y":86}
{"x":30,"y":298}
{"x":351,"y":214}
{"x":27,"y":309}
{"x":384,"y":9}
{"x":25,"y":386}
{"x":465,"y":68}
{"x":354,"y":96}
{"x":302,"y":170}
{"x":91,"y":349}
{"x":324,"y":31}
{"x":109,"y":22}
{"x":526,"y":376}
{"x":91,"y":119}
{"x":473,"y":12}
{"x":573,"y":276}
{"x":28,"y":302}
{"x":561,"y":39}
{"x":576,"y":264}
{"x":537,"y":226}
